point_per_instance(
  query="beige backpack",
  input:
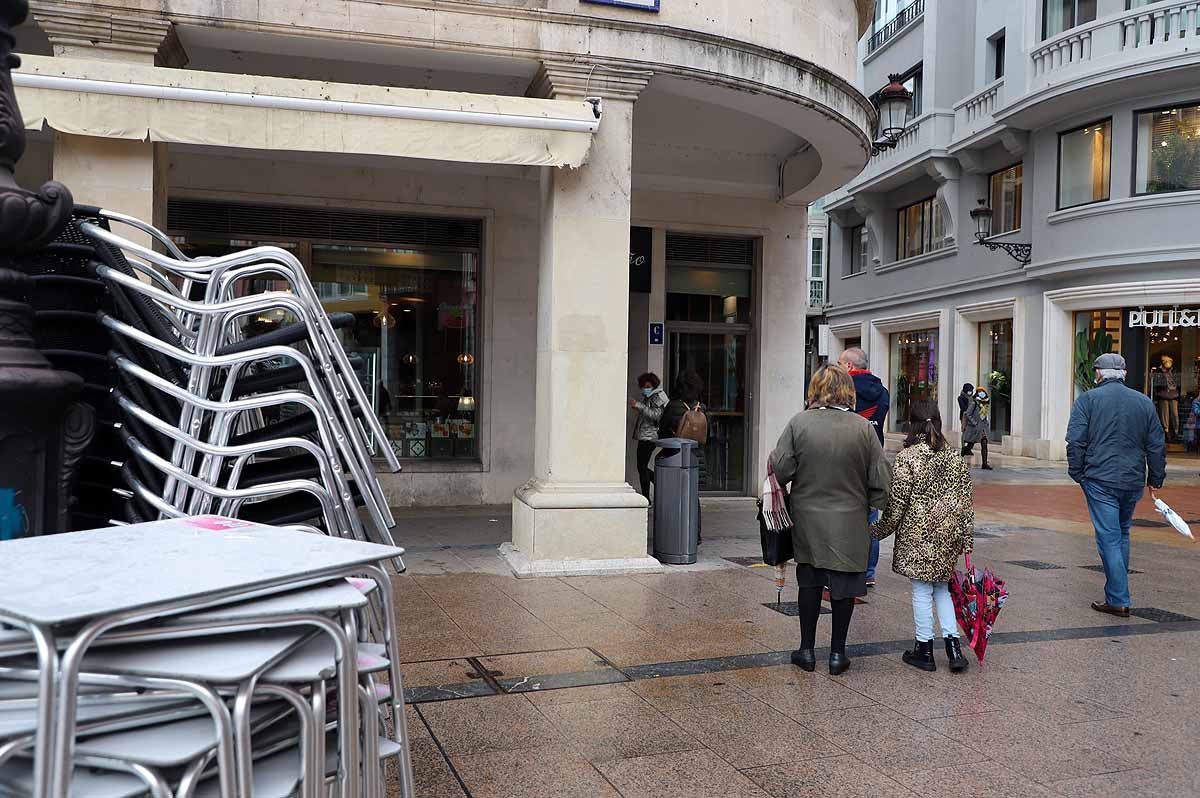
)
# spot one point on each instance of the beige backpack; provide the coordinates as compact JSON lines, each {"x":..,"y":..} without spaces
{"x":693,"y":425}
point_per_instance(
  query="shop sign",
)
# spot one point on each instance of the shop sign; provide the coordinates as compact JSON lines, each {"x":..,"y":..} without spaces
{"x":656,"y":333}
{"x":641,"y":244}
{"x":1164,"y":318}
{"x":641,"y":5}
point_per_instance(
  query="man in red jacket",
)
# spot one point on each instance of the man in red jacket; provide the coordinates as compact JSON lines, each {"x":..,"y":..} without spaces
{"x":872,"y":403}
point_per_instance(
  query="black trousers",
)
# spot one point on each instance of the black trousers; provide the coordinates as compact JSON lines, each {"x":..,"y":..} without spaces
{"x":645,"y":451}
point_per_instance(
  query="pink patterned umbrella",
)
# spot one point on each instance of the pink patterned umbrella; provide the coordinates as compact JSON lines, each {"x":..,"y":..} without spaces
{"x":978,"y":597}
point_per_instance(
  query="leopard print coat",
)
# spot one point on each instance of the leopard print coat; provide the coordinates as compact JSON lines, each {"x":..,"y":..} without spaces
{"x":930,"y":513}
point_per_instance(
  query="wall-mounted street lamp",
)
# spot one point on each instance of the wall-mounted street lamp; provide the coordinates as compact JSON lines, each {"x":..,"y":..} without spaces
{"x":1022,"y":253}
{"x":894,"y":103}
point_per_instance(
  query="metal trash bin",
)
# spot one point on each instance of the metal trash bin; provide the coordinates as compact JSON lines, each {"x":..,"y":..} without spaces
{"x":676,"y":501}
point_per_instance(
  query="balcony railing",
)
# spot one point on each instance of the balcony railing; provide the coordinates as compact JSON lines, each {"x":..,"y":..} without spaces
{"x":974,"y":114}
{"x":1130,"y":35}
{"x":911,"y":12}
{"x":816,"y":293}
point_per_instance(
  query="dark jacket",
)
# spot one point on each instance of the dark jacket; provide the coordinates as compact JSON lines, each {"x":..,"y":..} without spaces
{"x":873,"y":401}
{"x":1114,"y":436}
{"x":837,"y":472}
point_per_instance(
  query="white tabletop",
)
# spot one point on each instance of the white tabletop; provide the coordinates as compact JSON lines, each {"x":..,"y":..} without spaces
{"x":78,"y":576}
{"x":220,"y":659}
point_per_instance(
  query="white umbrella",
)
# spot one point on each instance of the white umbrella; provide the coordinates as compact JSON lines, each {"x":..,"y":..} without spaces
{"x":1173,"y":518}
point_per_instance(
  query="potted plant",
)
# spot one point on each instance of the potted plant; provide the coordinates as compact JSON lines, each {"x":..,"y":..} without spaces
{"x":1087,"y":349}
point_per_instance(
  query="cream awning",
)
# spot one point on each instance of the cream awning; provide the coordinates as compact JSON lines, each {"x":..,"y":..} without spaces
{"x":129,"y":101}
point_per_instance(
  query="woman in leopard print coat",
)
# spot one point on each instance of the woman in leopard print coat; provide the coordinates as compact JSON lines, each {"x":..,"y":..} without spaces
{"x":933,"y":519}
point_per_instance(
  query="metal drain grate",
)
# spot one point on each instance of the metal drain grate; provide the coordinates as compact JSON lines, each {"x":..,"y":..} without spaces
{"x":1036,"y":565}
{"x":747,"y":561}
{"x":1159,"y":616}
{"x":979,"y":534}
{"x":1100,"y":569}
{"x":790,"y":608}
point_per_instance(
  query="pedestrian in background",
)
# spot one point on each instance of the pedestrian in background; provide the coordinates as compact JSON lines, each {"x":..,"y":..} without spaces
{"x":1115,"y":448}
{"x":872,"y":402}
{"x":649,"y":406}
{"x":977,"y":426}
{"x":964,"y":402}
{"x":833,"y":461}
{"x":932,"y":516}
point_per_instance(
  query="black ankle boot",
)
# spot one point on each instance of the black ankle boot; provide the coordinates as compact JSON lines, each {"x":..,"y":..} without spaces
{"x":921,"y":656}
{"x":804,"y":659}
{"x":958,"y":663}
{"x":838,"y":664}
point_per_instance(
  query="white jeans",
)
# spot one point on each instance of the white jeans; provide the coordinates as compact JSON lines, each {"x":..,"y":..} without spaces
{"x":924,"y":596}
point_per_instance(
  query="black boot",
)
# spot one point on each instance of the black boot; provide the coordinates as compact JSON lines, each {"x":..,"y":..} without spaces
{"x":921,"y":656}
{"x":804,"y":659}
{"x":838,"y":663}
{"x":958,"y":663}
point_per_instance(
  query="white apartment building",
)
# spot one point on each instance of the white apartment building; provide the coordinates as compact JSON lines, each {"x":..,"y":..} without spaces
{"x":1078,"y":122}
{"x":515,"y":253}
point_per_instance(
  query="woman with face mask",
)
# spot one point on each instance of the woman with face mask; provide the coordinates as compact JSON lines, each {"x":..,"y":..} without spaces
{"x":649,"y":405}
{"x":977,"y":425}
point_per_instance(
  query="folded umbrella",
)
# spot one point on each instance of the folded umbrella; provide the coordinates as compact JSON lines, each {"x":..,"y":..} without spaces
{"x":1173,"y":518}
{"x":978,"y":597}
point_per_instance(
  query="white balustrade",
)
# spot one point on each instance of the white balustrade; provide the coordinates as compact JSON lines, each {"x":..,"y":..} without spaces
{"x":975,"y":113}
{"x":1129,"y":35}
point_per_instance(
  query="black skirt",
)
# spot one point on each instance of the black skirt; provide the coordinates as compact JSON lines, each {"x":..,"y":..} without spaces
{"x":841,"y":584}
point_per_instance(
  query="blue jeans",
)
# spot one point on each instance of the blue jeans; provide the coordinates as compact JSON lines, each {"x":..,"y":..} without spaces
{"x":924,"y":596}
{"x":873,"y":559}
{"x":1112,"y":517}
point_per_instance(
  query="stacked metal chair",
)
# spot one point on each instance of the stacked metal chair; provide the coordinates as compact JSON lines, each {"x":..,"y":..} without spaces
{"x":274,"y":428}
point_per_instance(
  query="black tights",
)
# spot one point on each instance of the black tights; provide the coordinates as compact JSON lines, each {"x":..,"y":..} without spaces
{"x":809,"y":603}
{"x":968,"y":449}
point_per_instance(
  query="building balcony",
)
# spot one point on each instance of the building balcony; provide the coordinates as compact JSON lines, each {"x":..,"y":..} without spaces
{"x":1141,"y":51}
{"x":975,"y":115}
{"x":816,"y":294}
{"x":889,"y":31}
{"x":926,"y":136}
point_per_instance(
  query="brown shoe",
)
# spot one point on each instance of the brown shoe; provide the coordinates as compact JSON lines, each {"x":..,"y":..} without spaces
{"x":1120,"y":612}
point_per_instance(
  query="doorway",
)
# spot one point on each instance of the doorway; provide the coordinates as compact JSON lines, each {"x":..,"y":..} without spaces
{"x":721,"y":359}
{"x":709,"y":330}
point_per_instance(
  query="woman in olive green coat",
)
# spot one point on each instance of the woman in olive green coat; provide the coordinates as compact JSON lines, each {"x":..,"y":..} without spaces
{"x":833,"y":461}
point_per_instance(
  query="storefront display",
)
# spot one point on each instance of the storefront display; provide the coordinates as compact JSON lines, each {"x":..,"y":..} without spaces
{"x":995,"y":371}
{"x":914,"y":373}
{"x":1172,"y":378}
{"x":415,"y":341}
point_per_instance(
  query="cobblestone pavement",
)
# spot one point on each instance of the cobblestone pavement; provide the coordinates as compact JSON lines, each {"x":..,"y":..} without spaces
{"x":677,"y":684}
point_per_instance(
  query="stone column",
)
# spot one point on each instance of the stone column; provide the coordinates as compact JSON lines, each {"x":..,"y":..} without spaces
{"x":578,"y":514}
{"x":119,"y":174}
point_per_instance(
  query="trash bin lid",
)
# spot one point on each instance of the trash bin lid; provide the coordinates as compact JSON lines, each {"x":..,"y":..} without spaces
{"x":676,"y":443}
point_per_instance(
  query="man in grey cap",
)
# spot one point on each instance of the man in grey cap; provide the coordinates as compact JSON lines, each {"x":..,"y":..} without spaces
{"x":1115,"y":448}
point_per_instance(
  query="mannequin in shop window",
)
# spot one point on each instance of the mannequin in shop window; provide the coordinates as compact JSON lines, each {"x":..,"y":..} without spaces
{"x":1165,"y":382}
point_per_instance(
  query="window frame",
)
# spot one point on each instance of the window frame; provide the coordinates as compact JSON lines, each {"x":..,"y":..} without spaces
{"x":1074,"y":13}
{"x":857,"y":255}
{"x":1137,"y":112}
{"x":812,"y":242}
{"x":1058,"y":206}
{"x":1021,"y":206}
{"x":932,"y":200}
{"x":918,"y":72}
{"x":999,"y":45}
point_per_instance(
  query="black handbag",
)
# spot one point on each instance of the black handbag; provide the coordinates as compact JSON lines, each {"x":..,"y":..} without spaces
{"x":776,"y":546}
